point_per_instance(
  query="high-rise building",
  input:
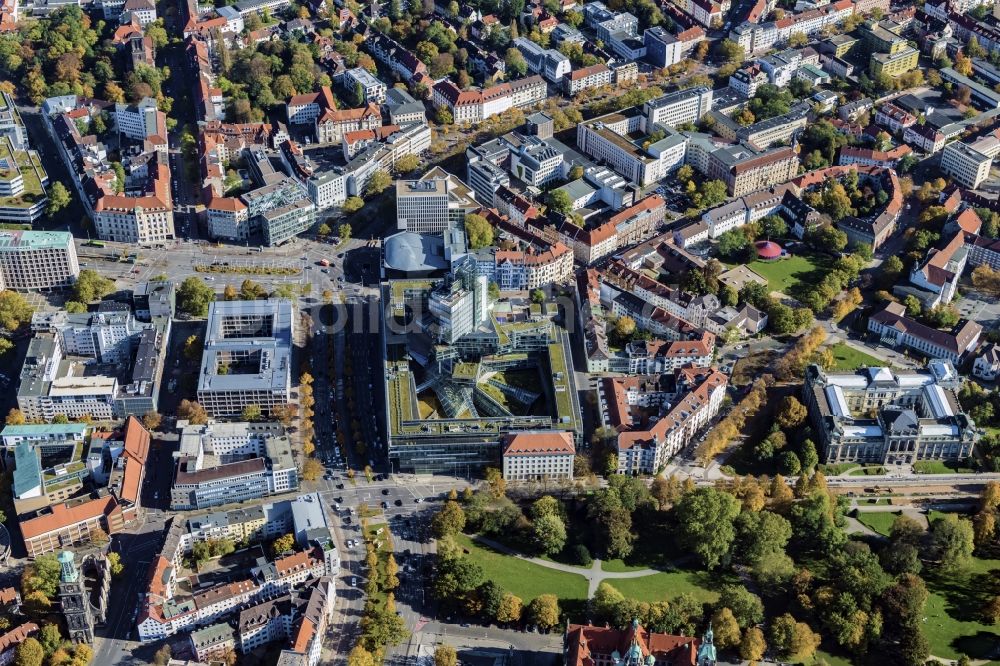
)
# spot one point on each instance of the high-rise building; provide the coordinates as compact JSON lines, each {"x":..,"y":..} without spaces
{"x":436,"y":202}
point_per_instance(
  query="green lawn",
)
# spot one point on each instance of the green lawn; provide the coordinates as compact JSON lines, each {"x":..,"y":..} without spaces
{"x":658,"y":587}
{"x":523,"y":578}
{"x":619,"y":566}
{"x":846,"y":357}
{"x":940,"y":467}
{"x":868,"y":470}
{"x":880,"y":521}
{"x":873,"y":501}
{"x":835,"y":469}
{"x":952,"y":623}
{"x":786,"y":273}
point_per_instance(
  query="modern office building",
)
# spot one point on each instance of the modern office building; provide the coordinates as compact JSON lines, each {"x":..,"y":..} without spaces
{"x":436,"y":202}
{"x":247,"y":357}
{"x":885,"y":416}
{"x":965,"y":164}
{"x":511,"y":373}
{"x":678,"y":107}
{"x":221,"y":463}
{"x":37,"y":260}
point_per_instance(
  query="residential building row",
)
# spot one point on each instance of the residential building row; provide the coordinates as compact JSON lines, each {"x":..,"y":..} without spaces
{"x":59,"y":374}
{"x":138,"y":210}
{"x":171,"y":605}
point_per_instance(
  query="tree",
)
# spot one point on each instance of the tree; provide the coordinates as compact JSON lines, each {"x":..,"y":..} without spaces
{"x":115,"y":562}
{"x":625,"y":326}
{"x":733,"y":243}
{"x":479,"y":231}
{"x":283,"y":544}
{"x":496,"y":482}
{"x":510,"y":609}
{"x":762,"y":533}
{"x":793,"y":640}
{"x":378,"y":182}
{"x":445,"y":655}
{"x":344,"y":231}
{"x":59,"y":198}
{"x":193,"y":297}
{"x":50,"y":638}
{"x":705,"y":524}
{"x":192,"y":411}
{"x":407,"y":163}
{"x":808,"y":456}
{"x":91,"y":286}
{"x":753,"y":647}
{"x":353,"y":205}
{"x":193,"y":348}
{"x":359,"y":656}
{"x":544,"y":611}
{"x":951,"y":542}
{"x":517,"y":66}
{"x":449,"y":520}
{"x":251,"y":413}
{"x":560,"y":202}
{"x":549,"y":533}
{"x":725,"y":628}
{"x":15,"y":417}
{"x":746,"y":606}
{"x":162,"y":656}
{"x":792,"y":413}
{"x":790,"y":463}
{"x":29,"y":653}
{"x":312,"y":469}
{"x":731,"y":51}
{"x":537,"y":296}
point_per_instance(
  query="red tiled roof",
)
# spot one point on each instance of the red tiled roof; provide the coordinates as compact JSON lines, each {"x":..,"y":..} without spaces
{"x":535,"y":443}
{"x":63,"y":516}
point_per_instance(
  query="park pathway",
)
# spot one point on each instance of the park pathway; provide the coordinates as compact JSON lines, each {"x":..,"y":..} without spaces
{"x":594,"y":574}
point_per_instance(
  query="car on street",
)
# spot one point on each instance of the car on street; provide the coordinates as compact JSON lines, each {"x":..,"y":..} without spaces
{"x":354,"y":581}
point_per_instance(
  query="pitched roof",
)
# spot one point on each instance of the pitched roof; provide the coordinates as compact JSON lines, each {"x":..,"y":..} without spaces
{"x":63,"y":516}
{"x":538,"y":443}
{"x":136,"y":451}
{"x":17,"y":635}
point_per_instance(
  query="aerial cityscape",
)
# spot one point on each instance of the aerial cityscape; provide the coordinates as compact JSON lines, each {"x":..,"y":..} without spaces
{"x":534,"y":332}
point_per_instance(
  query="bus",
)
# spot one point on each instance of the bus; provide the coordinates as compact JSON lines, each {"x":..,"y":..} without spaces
{"x":95,"y":243}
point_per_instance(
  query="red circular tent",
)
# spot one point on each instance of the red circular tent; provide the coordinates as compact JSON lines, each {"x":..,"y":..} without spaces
{"x":768,"y":250}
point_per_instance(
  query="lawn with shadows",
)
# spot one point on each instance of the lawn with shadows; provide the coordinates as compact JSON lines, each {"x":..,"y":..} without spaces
{"x":953,"y":613}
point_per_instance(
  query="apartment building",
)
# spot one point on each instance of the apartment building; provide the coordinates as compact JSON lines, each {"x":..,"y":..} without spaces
{"x":538,"y":456}
{"x":32,"y":260}
{"x":883,"y":159}
{"x":138,"y":121}
{"x":884,"y":416}
{"x":228,"y":218}
{"x":473,"y":106}
{"x":549,"y":63}
{"x":894,"y":328}
{"x":644,"y":448}
{"x":247,"y":356}
{"x":649,"y":357}
{"x":894,"y":118}
{"x":924,"y":137}
{"x":584,"y":78}
{"x":305,"y":109}
{"x":519,"y":270}
{"x":748,"y":79}
{"x":373,"y":91}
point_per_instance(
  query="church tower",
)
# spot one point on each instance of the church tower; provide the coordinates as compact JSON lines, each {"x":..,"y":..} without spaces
{"x":706,"y":653}
{"x":74,"y":601}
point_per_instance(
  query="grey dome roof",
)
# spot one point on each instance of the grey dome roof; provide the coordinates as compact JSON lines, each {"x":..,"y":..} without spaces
{"x":412,"y":252}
